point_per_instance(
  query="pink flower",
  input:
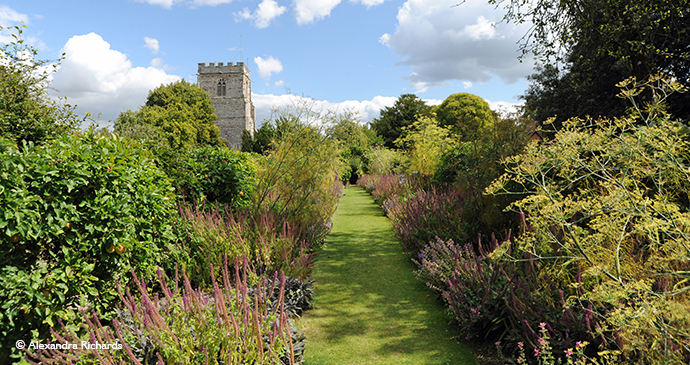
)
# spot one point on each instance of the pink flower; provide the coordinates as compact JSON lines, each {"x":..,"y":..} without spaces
{"x":537,"y":352}
{"x":521,"y":345}
{"x":578,"y":344}
{"x":568,"y":352}
{"x":542,"y":324}
{"x":542,"y":341}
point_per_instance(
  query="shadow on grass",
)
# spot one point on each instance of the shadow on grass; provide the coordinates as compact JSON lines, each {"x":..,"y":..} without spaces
{"x":370,"y":307}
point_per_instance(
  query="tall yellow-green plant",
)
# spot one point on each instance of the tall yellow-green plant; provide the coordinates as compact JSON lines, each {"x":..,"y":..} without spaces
{"x":610,"y":199}
{"x":426,"y":141}
{"x":297,"y":177}
{"x":384,"y":161}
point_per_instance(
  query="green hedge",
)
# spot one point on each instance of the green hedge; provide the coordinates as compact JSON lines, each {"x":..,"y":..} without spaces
{"x":75,"y":216}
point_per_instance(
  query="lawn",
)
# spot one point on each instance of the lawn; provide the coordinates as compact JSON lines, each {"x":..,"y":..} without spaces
{"x":370,"y":309}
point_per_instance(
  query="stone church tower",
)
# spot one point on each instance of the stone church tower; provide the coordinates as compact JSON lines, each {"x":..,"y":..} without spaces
{"x":231,"y":91}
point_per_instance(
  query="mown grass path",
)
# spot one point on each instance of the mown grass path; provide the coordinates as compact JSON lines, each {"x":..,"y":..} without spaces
{"x":370,"y":307}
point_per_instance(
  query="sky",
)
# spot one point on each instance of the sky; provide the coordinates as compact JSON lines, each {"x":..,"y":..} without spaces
{"x":353,"y":55}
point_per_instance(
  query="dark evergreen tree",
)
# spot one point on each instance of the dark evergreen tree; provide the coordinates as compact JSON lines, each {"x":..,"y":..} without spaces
{"x":403,"y":113}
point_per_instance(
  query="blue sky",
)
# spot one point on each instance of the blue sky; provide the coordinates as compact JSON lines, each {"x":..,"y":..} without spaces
{"x":358,"y":54}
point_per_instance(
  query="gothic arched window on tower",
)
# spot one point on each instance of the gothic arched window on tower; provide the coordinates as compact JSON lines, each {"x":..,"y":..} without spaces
{"x":221,"y":87}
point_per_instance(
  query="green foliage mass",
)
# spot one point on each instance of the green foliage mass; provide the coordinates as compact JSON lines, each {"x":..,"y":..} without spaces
{"x":26,"y":111}
{"x":427,"y":141}
{"x":218,"y":174}
{"x":264,"y":138}
{"x":297,"y":178}
{"x":466,"y":114}
{"x":181,"y":114}
{"x":383,"y":161}
{"x":640,"y":39}
{"x":585,"y":87}
{"x":75,"y":216}
{"x":609,"y":198}
{"x":470,"y":166}
{"x":404,"y":112}
{"x":354,"y":138}
{"x":261,"y":141}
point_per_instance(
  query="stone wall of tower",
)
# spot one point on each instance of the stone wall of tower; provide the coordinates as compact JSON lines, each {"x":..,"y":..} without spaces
{"x":230,"y":89}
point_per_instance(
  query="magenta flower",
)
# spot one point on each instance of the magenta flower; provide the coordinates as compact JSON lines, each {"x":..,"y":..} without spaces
{"x":537,"y":352}
{"x":568,"y":352}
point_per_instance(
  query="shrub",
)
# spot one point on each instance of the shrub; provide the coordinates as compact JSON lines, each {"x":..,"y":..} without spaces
{"x":473,"y":164}
{"x":368,"y":182}
{"x":221,"y":175}
{"x":609,"y":199}
{"x":299,"y":179}
{"x":231,"y":325}
{"x":426,"y":142}
{"x":428,"y":214}
{"x":75,"y":215}
{"x":382,"y":161}
{"x":269,"y":242}
{"x":298,"y":294}
{"x":495,"y":299}
{"x":388,"y":186}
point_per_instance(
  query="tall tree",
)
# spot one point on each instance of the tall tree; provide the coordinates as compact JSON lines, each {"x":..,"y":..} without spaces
{"x":389,"y":125}
{"x":180,"y":112}
{"x":26,"y":111}
{"x":466,"y":114}
{"x":585,"y":86}
{"x":648,"y":35}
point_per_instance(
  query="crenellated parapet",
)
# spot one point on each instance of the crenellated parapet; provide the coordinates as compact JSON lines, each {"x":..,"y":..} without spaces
{"x":223,"y":68}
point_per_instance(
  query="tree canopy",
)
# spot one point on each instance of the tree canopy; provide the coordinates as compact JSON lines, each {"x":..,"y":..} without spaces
{"x":586,"y":86}
{"x":466,"y":114}
{"x":26,"y":112}
{"x":403,"y":113}
{"x":601,"y":42}
{"x":181,"y":113}
{"x":640,"y":32}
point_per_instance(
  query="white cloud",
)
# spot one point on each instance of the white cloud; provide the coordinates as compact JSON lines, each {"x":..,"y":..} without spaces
{"x":11,"y":16}
{"x":443,"y":42}
{"x":367,"y":110}
{"x":369,"y":3}
{"x":268,"y":66}
{"x":102,"y":80}
{"x":466,"y":85}
{"x":308,"y":11}
{"x":167,"y":4}
{"x":157,"y":62}
{"x":210,"y":2}
{"x":279,"y":83}
{"x":8,"y":18}
{"x":264,"y":14}
{"x":483,"y":29}
{"x":152,"y":44}
{"x":385,"y":39}
{"x":504,"y":108}
{"x":163,"y":3}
